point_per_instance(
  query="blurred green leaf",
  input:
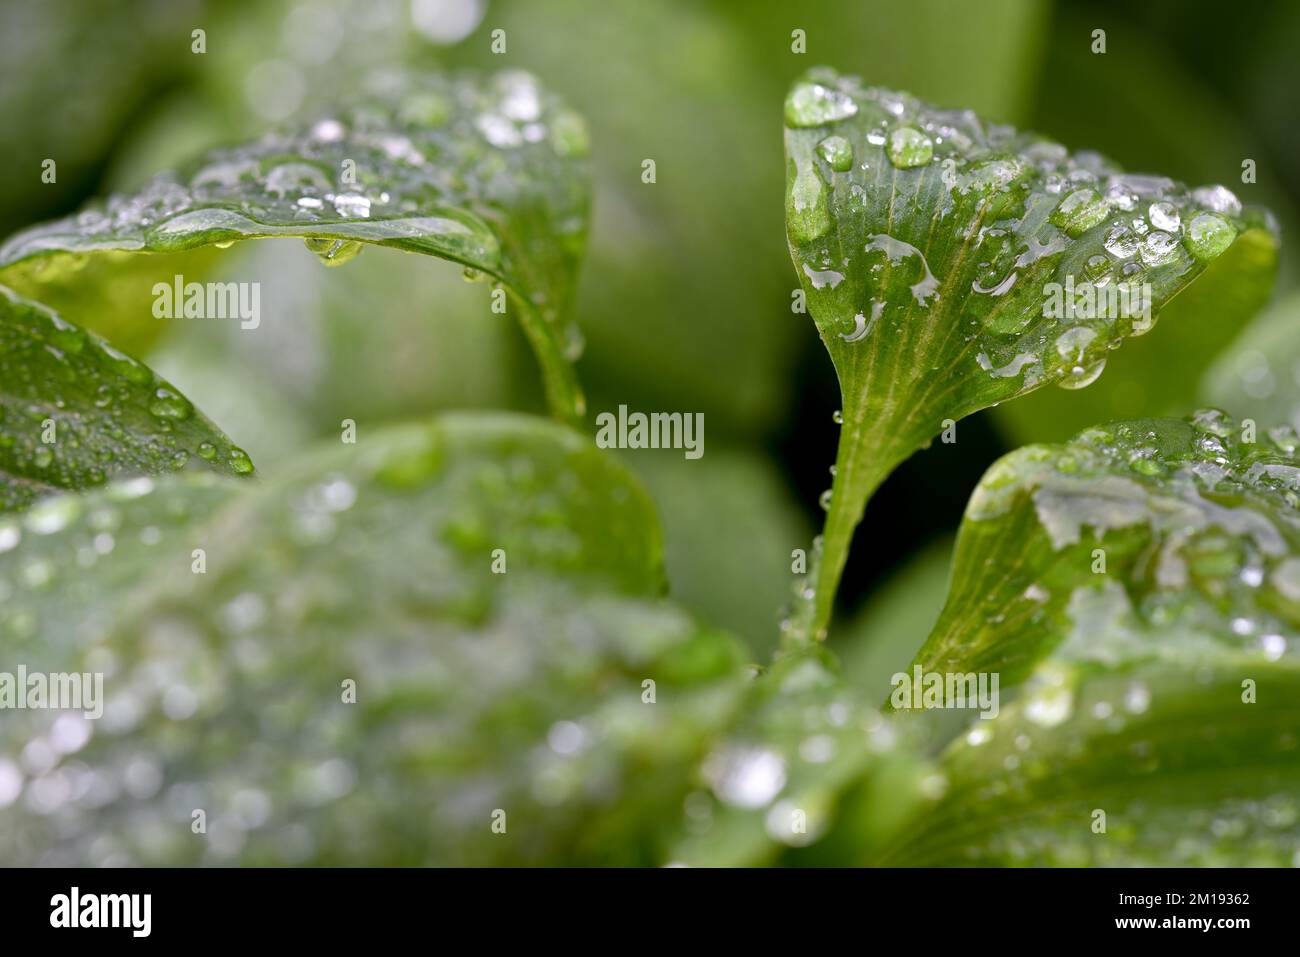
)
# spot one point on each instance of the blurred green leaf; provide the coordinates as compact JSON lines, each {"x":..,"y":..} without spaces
{"x":932,"y":246}
{"x":883,"y":638}
{"x":694,"y":258}
{"x":1149,"y":628}
{"x":1177,"y":768}
{"x":75,"y":116}
{"x":810,"y":774}
{"x":312,"y":364}
{"x":475,"y":691}
{"x":730,"y":526}
{"x":1259,"y":377}
{"x":75,"y":412}
{"x":489,"y":173}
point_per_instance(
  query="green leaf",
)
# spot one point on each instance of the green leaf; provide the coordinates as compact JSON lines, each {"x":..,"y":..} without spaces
{"x":1141,"y":380}
{"x":439,"y":356}
{"x":926,"y":241}
{"x":730,"y":525}
{"x":1148,"y":628}
{"x":1257,"y":378}
{"x":1186,"y":773}
{"x":475,"y":691}
{"x":810,"y":774}
{"x":75,"y":412}
{"x":487,"y":172}
{"x":1185,"y":517}
{"x":883,"y":638}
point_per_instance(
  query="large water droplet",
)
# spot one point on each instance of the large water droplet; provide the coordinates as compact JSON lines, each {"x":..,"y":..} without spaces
{"x":1164,"y":216}
{"x":1081,"y":376}
{"x":1121,"y":242}
{"x":1080,"y":211}
{"x":837,"y":153}
{"x":1208,"y":235}
{"x":1220,"y":199}
{"x":1159,"y":248}
{"x":334,"y":252}
{"x":239,"y":461}
{"x":909,"y":148}
{"x":812,"y":104}
{"x":167,"y":404}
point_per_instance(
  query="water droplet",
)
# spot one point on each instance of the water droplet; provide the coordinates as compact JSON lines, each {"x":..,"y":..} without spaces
{"x":1080,"y":211}
{"x":1208,"y":235}
{"x":167,"y":404}
{"x":352,"y":205}
{"x":290,"y":178}
{"x":239,"y":461}
{"x":1164,"y":216}
{"x":1159,"y":248}
{"x":820,"y":278}
{"x":812,"y":104}
{"x":825,"y":500}
{"x":1121,"y":242}
{"x":1081,"y":376}
{"x":1219,"y":199}
{"x":909,"y":148}
{"x":1072,"y":343}
{"x":207,"y":451}
{"x":807,"y":211}
{"x":837,"y":153}
{"x":837,"y":417}
{"x":334,"y":252}
{"x":746,"y":777}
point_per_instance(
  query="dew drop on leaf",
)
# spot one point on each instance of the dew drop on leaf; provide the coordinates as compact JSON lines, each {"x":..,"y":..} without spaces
{"x":909,"y":148}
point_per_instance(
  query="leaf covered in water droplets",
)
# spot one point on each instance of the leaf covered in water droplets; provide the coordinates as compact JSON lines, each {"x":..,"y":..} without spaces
{"x":75,"y":412}
{"x":512,"y":679}
{"x":811,"y":773}
{"x":951,"y":264}
{"x":490,"y":172}
{"x":1147,"y":640}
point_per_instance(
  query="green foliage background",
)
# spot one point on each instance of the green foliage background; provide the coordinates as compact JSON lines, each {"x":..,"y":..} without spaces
{"x":684,"y":293}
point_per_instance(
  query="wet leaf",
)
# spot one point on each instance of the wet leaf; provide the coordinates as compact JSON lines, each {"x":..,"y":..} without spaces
{"x":1143,"y":379}
{"x":944,"y":265}
{"x":730,"y":526}
{"x":810,"y":774}
{"x":1181,"y":517}
{"x":489,"y":172}
{"x":884,"y":636}
{"x":1258,"y":377}
{"x":75,"y":412}
{"x":1148,"y":631}
{"x":1185,"y":772}
{"x":474,"y":691}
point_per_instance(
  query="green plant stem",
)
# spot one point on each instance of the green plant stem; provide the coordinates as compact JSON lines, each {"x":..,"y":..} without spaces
{"x":864,"y":460}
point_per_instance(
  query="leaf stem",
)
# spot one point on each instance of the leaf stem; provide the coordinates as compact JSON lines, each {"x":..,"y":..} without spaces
{"x":864,"y":459}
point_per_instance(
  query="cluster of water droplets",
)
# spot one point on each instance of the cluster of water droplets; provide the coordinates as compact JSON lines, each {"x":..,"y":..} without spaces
{"x":781,"y":773}
{"x":1034,"y":212}
{"x":132,"y":422}
{"x":407,"y":150}
{"x":1211,"y":504}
